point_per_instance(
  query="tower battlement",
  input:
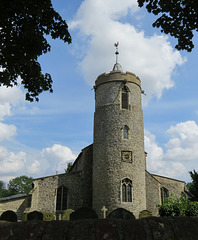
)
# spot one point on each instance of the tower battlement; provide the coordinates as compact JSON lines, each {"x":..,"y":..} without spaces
{"x":117,"y":76}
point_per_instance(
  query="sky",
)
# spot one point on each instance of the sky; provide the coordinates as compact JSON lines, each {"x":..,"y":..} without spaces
{"x":39,"y":138}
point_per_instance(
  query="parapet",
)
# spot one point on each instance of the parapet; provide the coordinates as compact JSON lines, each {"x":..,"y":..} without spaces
{"x":117,"y":76}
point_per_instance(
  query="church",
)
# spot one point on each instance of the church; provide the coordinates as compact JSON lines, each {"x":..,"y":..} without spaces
{"x":111,"y":173}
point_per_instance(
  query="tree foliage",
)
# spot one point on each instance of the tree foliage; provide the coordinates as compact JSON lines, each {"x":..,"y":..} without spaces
{"x":182,"y":206}
{"x":24,"y":26}
{"x":2,"y":185}
{"x":179,"y":18}
{"x":18,"y":185}
{"x":69,"y":166}
{"x":193,"y":186}
{"x":3,"y":191}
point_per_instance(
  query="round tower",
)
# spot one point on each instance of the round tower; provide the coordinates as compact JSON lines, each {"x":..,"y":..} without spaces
{"x":118,"y":147}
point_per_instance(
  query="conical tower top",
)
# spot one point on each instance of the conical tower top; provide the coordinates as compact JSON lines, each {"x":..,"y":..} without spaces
{"x":117,"y":66}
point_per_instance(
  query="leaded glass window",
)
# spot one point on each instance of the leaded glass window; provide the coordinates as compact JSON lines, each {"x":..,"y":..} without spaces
{"x":125,"y":132}
{"x":129,"y":191}
{"x":126,"y":190}
{"x":124,"y":197}
{"x":164,"y":194}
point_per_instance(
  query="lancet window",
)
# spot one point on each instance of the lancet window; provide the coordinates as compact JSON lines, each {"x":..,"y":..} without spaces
{"x":125,"y":132}
{"x":125,"y":98}
{"x":164,"y":194}
{"x":126,"y":190}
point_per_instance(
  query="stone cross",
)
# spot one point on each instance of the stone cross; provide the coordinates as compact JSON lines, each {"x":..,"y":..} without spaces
{"x":104,"y":210}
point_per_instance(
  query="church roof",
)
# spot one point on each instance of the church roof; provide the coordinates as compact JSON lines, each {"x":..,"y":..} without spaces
{"x":117,"y":67}
{"x":155,"y":175}
{"x":13,"y":197}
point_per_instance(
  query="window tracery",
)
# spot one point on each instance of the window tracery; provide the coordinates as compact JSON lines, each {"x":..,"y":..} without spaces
{"x":126,"y":190}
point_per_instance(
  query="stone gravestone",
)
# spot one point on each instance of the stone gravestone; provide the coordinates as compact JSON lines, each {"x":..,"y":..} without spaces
{"x":83,"y":213}
{"x":9,"y":216}
{"x":66,"y":214}
{"x":35,"y":215}
{"x":144,"y":214}
{"x":121,"y":213}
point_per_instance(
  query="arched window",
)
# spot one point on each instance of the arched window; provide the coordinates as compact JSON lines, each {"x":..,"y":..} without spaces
{"x":125,"y":132}
{"x":126,"y":190}
{"x":125,"y":98}
{"x":164,"y":194}
{"x":61,"y":199}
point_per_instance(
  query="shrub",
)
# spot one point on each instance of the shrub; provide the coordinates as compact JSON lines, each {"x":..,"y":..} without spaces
{"x":192,"y":209}
{"x":168,"y":210}
{"x":178,"y":207}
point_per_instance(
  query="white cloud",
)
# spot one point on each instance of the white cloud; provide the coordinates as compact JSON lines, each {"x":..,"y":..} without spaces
{"x":151,"y":58}
{"x":4,"y":110}
{"x":180,"y":154}
{"x":6,"y":179}
{"x":35,"y":164}
{"x":9,"y":96}
{"x":58,"y":156}
{"x":11,"y":162}
{"x":155,"y":153}
{"x":34,"y":168}
{"x":157,"y":162}
{"x":6,"y":131}
{"x":183,"y":144}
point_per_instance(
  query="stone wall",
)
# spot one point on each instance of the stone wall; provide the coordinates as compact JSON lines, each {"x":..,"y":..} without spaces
{"x":153,"y":228}
{"x":152,"y":194}
{"x":78,"y":183}
{"x":173,"y":185}
{"x":109,"y":120}
{"x":17,"y":205}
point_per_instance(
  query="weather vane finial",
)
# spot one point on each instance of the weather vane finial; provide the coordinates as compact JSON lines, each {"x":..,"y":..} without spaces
{"x":116,"y":45}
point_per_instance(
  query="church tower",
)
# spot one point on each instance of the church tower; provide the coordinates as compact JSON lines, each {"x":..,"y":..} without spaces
{"x":118,"y":146}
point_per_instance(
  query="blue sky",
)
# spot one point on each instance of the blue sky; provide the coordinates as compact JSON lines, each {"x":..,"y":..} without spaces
{"x":36,"y":139}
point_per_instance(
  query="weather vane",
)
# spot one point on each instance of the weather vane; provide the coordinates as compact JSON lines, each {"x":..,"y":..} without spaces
{"x":116,"y":45}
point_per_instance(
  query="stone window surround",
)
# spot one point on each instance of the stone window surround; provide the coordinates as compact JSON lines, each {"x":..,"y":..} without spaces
{"x":129,"y":190}
{"x":124,"y":90}
{"x":164,"y":194}
{"x":125,"y":132}
{"x":63,"y":190}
